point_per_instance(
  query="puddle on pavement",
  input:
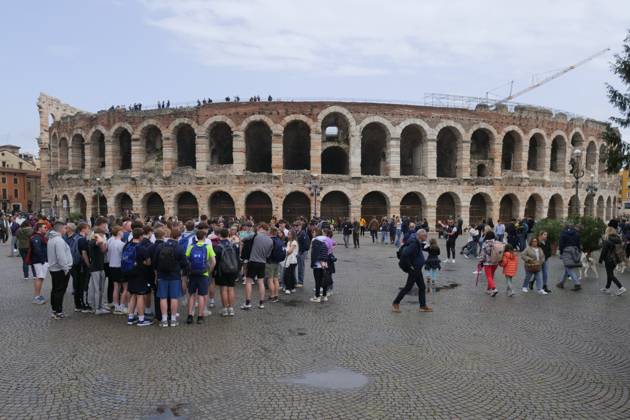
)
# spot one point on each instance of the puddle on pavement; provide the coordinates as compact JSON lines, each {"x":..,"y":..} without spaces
{"x":168,"y":412}
{"x":335,"y":379}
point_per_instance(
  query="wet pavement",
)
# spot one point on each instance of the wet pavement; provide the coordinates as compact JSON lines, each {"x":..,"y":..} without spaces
{"x":565,"y":355}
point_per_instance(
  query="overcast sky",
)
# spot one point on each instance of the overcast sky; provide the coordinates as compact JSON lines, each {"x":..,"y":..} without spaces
{"x":92,"y":54}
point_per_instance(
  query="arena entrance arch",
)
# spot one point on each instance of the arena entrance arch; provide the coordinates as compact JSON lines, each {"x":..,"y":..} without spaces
{"x":511,"y":152}
{"x":98,"y":151}
{"x":258,"y":148}
{"x":335,"y":161}
{"x":295,"y":205}
{"x":534,"y":207}
{"x":374,"y":149}
{"x":600,"y":207}
{"x":221,"y":144}
{"x":536,"y":153}
{"x":221,"y":204}
{"x":187,"y":206}
{"x":153,"y":205}
{"x":589,"y":205}
{"x":96,"y":202}
{"x":186,"y":138}
{"x":555,"y":207}
{"x":508,"y":208}
{"x":413,"y":206}
{"x":447,"y":153}
{"x":123,"y":205}
{"x":153,"y":150}
{"x":77,"y":161}
{"x":258,"y":205}
{"x":412,"y":151}
{"x":447,"y":207}
{"x":573,"y":208}
{"x":80,"y":205}
{"x":374,"y":205}
{"x":296,"y":146}
{"x":558,"y":158}
{"x":480,"y":208}
{"x":122,"y":149}
{"x":335,"y":204}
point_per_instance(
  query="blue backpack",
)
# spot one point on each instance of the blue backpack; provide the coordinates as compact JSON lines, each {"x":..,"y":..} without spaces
{"x":73,"y":243}
{"x":198,"y":259}
{"x":128,"y":262}
{"x":183,"y":241}
{"x":278,"y":254}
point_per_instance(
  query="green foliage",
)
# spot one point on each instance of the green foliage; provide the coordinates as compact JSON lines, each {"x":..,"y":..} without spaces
{"x":591,"y":232}
{"x":75,"y":217}
{"x":618,"y":151}
{"x":553,"y":227}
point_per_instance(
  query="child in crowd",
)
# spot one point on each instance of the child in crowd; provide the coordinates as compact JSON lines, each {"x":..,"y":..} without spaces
{"x":510,"y":267}
{"x":432,"y":264}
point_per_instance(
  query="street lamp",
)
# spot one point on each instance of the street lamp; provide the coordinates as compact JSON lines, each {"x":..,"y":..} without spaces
{"x":577,"y":172}
{"x":314,"y":188}
{"x":591,"y":189}
{"x":98,"y":191}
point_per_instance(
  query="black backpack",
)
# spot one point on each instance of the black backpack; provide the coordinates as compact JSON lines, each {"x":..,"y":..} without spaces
{"x":246,"y":250}
{"x":166,"y":261}
{"x":278,"y":254}
{"x":228,"y":264}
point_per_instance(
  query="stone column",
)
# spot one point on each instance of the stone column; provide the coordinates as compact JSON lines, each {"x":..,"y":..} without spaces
{"x":546,"y":163}
{"x":90,"y":164}
{"x":277,"y":156}
{"x":431,"y":216}
{"x":355,"y":153}
{"x":497,"y":156}
{"x":137,"y":157}
{"x":393,"y":157}
{"x":109,"y":157}
{"x":394,"y":209}
{"x":355,"y":211}
{"x":316,"y":153}
{"x":432,"y":162}
{"x":169,"y":158}
{"x":202,"y":152}
{"x":238,"y":152}
{"x":524,"y":159}
{"x":464,"y":161}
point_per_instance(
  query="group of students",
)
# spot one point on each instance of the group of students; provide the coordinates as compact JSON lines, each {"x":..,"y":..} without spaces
{"x":126,"y":266}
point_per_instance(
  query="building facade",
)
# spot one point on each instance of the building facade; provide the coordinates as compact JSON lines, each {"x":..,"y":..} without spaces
{"x":369,"y":159}
{"x":19,"y":180}
{"x":624,"y":191}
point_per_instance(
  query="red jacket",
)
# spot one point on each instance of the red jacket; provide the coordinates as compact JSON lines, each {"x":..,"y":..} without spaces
{"x":509,"y":264}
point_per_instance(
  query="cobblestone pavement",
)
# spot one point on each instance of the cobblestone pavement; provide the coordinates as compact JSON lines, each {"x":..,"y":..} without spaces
{"x":565,"y":355}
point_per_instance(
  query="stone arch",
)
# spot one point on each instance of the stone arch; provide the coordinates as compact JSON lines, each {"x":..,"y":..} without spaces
{"x":591,"y":157}
{"x":121,"y":144}
{"x":296,"y":204}
{"x":123,"y":204}
{"x":152,"y":143}
{"x":97,"y":141}
{"x":296,"y":145}
{"x":577,"y":138}
{"x":185,"y":145}
{"x":558,"y":158}
{"x":259,"y":206}
{"x":413,"y":151}
{"x":79,"y":205}
{"x":99,"y":205}
{"x":258,"y":137}
{"x":482,"y":144}
{"x":335,"y":160}
{"x":556,"y":205}
{"x":413,"y":205}
{"x":573,"y":208}
{"x":534,"y":207}
{"x":536,"y":152}
{"x":153,"y":205}
{"x":335,"y":204}
{"x":66,"y":206}
{"x":187,"y":206}
{"x":600,"y":207}
{"x":78,"y":152}
{"x":221,"y":143}
{"x":449,"y":143}
{"x":220,"y":204}
{"x":512,"y":151}
{"x":608,"y":209}
{"x":509,"y":208}
{"x":603,"y":157}
{"x":375,"y":137}
{"x":63,"y":154}
{"x":447,"y":206}
{"x":480,"y":208}
{"x":374,"y":204}
{"x":339,"y":118}
{"x":589,"y":205}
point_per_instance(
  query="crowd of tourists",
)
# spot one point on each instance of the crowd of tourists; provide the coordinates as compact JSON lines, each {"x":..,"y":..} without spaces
{"x":145,"y":268}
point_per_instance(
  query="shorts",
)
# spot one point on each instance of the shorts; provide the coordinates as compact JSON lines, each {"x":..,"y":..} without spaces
{"x":41,"y":270}
{"x":271,"y":270}
{"x":226,"y":280}
{"x":115,"y":275}
{"x":137,"y":284}
{"x":169,"y":289}
{"x":199,"y":285}
{"x":256,"y":270}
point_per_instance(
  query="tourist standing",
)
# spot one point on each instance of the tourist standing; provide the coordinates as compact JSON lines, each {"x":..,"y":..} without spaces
{"x":168,"y":262}
{"x":227,"y":270}
{"x":38,"y":257}
{"x":23,"y":235}
{"x":534,"y":257}
{"x":373,"y":228}
{"x":115,"y":246}
{"x":304,"y":243}
{"x":319,"y":264}
{"x":59,"y":264}
{"x":355,"y":233}
{"x":290,"y":263}
{"x":491,"y":256}
{"x":451,"y":237}
{"x":259,"y":250}
{"x":97,"y":249}
{"x":412,"y":260}
{"x":272,"y":266}
{"x":346,"y":228}
{"x":543,"y":243}
{"x":432,"y":264}
{"x":509,"y":262}
{"x":134,"y":260}
{"x":612,"y":254}
{"x":201,"y":262}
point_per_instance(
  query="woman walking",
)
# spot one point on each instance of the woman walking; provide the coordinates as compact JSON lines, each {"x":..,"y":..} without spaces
{"x":534,"y":257}
{"x":432,"y":264}
{"x":490,"y":259}
{"x":609,"y":256}
{"x":290,"y":263}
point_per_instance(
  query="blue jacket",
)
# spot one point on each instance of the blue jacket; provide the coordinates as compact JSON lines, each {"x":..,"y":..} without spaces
{"x":304,"y":241}
{"x":39,"y":250}
{"x":412,"y":255}
{"x":319,"y":252}
{"x":569,"y":237}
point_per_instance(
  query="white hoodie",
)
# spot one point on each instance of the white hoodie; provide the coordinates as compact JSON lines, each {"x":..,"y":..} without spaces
{"x":59,"y":254}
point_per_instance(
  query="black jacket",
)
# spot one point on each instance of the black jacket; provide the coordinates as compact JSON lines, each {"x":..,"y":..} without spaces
{"x":319,"y":252}
{"x":569,"y":237}
{"x":608,"y":249}
{"x":546,"y":247}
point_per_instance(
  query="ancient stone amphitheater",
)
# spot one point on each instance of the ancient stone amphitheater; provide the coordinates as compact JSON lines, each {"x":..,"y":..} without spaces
{"x":370,"y":159}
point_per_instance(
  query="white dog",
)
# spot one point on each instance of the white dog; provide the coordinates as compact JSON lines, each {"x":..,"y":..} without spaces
{"x":588,"y":263}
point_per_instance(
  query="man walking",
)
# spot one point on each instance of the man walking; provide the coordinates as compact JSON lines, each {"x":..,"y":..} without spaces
{"x":59,"y":263}
{"x":570,"y":254}
{"x":347,"y":231}
{"x":412,"y":260}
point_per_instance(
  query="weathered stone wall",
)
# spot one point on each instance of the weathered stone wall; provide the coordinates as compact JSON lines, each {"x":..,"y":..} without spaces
{"x":519,"y":184}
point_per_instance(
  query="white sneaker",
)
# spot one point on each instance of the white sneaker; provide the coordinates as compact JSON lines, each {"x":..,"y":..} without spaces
{"x":445,"y":261}
{"x":315,"y":300}
{"x":287,"y":292}
{"x":541,"y":292}
{"x":211,"y":303}
{"x":231,"y":311}
{"x":476,"y":272}
{"x":102,"y":312}
{"x":225,"y":312}
{"x":324,"y":299}
{"x":524,"y":290}
{"x":605,"y":290}
{"x":453,"y":261}
{"x":207,"y":312}
{"x":621,"y":291}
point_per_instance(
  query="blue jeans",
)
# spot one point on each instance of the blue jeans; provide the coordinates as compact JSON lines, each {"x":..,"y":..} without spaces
{"x":545,"y":273}
{"x":384,"y":236}
{"x":537,"y":276}
{"x":433,"y":273}
{"x":570,"y":272}
{"x":300,"y":263}
{"x":25,"y":266}
{"x":398,"y":233}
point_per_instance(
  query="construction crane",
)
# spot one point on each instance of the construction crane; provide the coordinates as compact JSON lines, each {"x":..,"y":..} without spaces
{"x":552,"y":77}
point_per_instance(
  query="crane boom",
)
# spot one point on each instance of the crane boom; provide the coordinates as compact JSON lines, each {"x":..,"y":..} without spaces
{"x":553,"y":76}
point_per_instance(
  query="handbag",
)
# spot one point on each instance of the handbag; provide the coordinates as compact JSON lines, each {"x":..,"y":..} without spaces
{"x":533,"y":266}
{"x":326,"y":278}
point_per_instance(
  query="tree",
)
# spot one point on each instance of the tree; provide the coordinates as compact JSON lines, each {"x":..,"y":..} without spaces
{"x":618,"y":150}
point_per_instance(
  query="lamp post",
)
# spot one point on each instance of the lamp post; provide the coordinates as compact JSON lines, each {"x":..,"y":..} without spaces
{"x":591,"y":189}
{"x":577,"y":172}
{"x":98,"y":191}
{"x":314,"y":188}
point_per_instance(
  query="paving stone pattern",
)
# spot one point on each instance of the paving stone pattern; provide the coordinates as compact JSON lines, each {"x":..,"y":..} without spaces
{"x":565,"y":355}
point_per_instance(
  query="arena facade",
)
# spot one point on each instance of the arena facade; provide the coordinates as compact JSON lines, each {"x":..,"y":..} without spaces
{"x":370,"y":159}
